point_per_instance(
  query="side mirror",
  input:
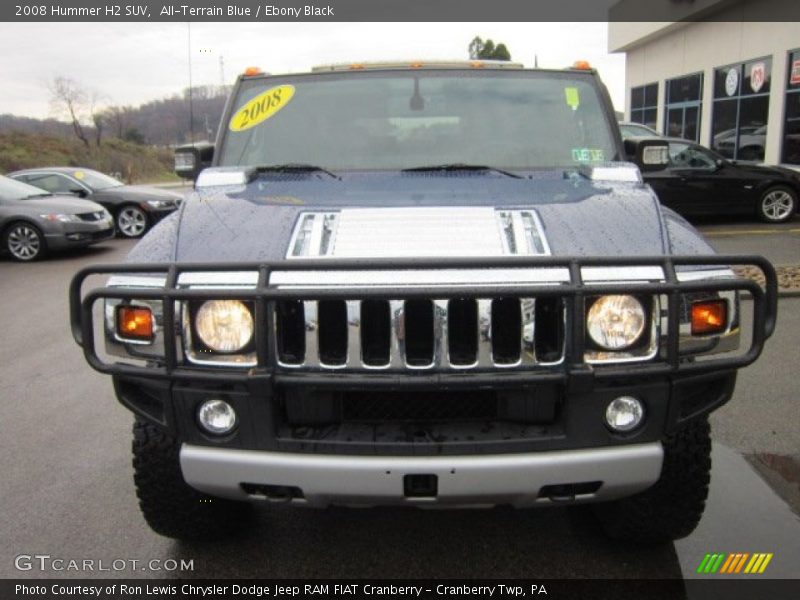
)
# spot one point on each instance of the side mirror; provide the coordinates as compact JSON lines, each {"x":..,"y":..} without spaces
{"x":649,"y":154}
{"x":79,"y":192}
{"x":719,"y":163}
{"x":190,"y":159}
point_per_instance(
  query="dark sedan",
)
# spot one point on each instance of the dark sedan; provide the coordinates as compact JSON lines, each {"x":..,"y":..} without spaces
{"x":33,"y":221}
{"x":135,"y":208}
{"x":699,"y":181}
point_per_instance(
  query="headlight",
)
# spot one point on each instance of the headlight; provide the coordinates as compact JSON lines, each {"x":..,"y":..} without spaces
{"x":616,"y":322}
{"x":61,"y":217}
{"x":161,"y":203}
{"x":224,"y":326}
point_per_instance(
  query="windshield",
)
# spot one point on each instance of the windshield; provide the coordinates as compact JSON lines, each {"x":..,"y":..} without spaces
{"x":16,"y":190}
{"x":95,"y":180}
{"x":406,"y":119}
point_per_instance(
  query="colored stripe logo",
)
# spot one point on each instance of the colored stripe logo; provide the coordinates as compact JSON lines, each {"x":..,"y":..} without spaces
{"x":735,"y":563}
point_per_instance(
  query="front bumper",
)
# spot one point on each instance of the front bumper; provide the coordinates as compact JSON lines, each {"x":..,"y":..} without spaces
{"x":520,"y":480}
{"x":79,"y":234}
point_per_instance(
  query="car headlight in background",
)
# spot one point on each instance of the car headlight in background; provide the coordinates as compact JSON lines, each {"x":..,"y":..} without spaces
{"x":61,"y":217}
{"x":616,"y":322}
{"x":224,"y":326}
{"x":161,"y":203}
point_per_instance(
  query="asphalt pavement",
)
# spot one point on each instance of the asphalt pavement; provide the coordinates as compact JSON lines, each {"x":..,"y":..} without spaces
{"x":67,"y":488}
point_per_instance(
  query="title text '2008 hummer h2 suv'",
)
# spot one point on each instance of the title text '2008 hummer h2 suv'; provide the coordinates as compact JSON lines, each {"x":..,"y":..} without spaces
{"x":423,"y":284}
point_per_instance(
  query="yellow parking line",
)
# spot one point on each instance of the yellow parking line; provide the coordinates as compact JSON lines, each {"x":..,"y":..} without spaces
{"x":748,"y":232}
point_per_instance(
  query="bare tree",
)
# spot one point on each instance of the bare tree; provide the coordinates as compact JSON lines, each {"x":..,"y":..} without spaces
{"x":82,"y":106}
{"x":68,"y":98}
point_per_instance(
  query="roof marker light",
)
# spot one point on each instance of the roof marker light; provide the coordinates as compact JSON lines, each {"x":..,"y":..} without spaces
{"x":250,"y":71}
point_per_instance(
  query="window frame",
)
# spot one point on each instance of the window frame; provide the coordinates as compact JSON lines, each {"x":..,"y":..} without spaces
{"x":685,"y":104}
{"x":645,"y":106}
{"x":787,"y":94}
{"x":738,"y":97}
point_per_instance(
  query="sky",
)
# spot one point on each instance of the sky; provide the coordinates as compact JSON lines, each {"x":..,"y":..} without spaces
{"x":132,"y":63}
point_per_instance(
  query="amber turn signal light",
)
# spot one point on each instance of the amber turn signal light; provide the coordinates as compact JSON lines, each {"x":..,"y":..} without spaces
{"x":135,"y":323}
{"x":709,"y":316}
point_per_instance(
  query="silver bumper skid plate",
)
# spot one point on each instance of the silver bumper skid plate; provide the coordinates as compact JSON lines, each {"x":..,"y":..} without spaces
{"x":515,"y":479}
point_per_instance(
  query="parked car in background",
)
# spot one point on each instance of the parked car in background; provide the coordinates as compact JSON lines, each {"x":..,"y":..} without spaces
{"x":630,"y":130}
{"x":750,"y":146}
{"x":33,"y":221}
{"x":698,"y":181}
{"x":136,"y":208}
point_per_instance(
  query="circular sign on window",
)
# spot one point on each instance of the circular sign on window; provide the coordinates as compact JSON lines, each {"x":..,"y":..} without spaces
{"x":732,"y":82}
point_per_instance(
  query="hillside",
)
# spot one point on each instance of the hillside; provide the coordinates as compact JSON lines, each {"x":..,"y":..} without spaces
{"x":133,"y":163}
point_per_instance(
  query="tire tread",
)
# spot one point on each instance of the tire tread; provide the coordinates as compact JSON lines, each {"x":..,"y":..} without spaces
{"x":170,"y":506}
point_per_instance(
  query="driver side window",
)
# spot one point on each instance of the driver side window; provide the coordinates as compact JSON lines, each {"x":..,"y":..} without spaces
{"x":700,"y":159}
{"x":686,"y":156}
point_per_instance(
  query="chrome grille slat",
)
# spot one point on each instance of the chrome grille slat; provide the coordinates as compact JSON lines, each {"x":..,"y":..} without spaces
{"x":312,"y":334}
{"x":354,"y":359}
{"x":441,"y":356}
{"x":528,"y":349}
{"x":485,"y":358}
{"x":397,"y":348}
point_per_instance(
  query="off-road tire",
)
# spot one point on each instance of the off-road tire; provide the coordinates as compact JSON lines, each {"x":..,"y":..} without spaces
{"x":170,"y":506}
{"x":672,"y":507}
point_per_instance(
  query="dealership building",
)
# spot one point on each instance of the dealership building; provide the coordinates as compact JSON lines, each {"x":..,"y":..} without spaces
{"x":731,"y":82}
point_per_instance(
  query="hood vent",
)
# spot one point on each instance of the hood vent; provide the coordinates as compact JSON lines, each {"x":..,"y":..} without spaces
{"x":418,"y":232}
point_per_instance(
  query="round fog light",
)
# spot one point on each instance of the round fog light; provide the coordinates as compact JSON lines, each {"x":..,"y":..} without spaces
{"x":624,"y":413}
{"x":216,"y":416}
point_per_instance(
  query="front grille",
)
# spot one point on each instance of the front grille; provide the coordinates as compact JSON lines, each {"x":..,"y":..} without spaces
{"x":426,"y":334}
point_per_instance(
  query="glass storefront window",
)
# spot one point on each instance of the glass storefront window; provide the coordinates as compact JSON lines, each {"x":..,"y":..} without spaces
{"x":741,"y":109}
{"x":790,"y":148}
{"x":644,"y":104}
{"x":683,"y":107}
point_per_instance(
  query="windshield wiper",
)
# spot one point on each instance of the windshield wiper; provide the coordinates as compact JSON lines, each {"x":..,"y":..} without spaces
{"x":42,"y":195}
{"x":461,"y":167}
{"x":295,"y":168}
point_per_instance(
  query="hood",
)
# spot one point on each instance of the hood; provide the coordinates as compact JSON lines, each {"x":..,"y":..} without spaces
{"x":417,"y":214}
{"x":140,"y":193}
{"x":68,"y":205}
